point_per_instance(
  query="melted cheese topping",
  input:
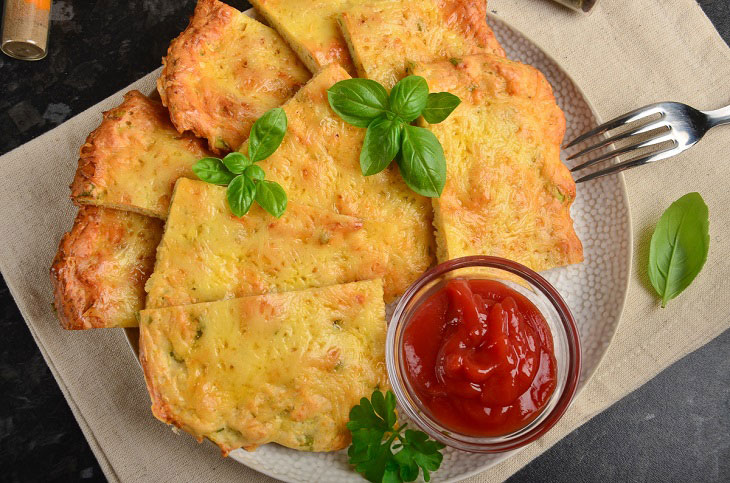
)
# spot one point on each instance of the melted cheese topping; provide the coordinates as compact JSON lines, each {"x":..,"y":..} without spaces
{"x":132,"y":160}
{"x":225,"y":71}
{"x":385,"y":36}
{"x":284,"y":368}
{"x":318,"y":164}
{"x":310,"y":30}
{"x":507,"y":192}
{"x":208,"y":254}
{"x":101,"y":267}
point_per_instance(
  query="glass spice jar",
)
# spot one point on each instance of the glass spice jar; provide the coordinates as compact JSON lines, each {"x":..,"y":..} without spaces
{"x":578,"y":5}
{"x":25,"y":28}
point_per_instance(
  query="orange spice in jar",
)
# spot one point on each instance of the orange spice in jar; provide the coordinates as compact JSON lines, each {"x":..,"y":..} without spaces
{"x":25,"y":28}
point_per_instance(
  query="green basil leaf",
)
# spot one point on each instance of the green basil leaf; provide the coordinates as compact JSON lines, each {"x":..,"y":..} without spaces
{"x":679,"y":246}
{"x":422,"y":162}
{"x":439,"y":106}
{"x":382,"y":142}
{"x":212,"y":170}
{"x":272,"y":197}
{"x":255,"y":172}
{"x":236,"y":162}
{"x":409,"y":97}
{"x":241,"y":193}
{"x":358,"y":101}
{"x":266,"y":134}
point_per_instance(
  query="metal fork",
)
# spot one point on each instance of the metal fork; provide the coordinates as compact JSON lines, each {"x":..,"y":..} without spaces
{"x":664,"y":130}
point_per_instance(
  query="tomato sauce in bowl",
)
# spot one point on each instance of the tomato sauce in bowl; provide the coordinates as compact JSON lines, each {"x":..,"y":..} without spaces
{"x":483,"y":354}
{"x":480,"y":357}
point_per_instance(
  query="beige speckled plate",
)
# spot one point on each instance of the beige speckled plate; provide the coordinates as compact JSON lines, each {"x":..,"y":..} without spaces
{"x":595,"y":290}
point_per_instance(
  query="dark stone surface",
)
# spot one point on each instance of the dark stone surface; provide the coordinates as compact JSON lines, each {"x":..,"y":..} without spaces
{"x":676,"y":428}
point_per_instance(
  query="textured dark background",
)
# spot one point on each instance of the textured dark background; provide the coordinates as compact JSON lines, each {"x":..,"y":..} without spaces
{"x":675,"y":428}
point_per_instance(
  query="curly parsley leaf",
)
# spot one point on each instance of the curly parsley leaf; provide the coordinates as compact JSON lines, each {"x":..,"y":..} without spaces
{"x":374,"y":420}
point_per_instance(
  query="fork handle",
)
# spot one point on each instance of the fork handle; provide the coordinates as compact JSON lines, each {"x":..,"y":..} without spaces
{"x":718,"y":117}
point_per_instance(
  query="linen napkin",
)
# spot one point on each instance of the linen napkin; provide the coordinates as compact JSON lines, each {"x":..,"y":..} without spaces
{"x":624,"y":55}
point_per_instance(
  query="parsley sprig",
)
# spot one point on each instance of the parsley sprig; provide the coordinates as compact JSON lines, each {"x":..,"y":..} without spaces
{"x":244,"y":178}
{"x":390,"y":135}
{"x":374,"y":420}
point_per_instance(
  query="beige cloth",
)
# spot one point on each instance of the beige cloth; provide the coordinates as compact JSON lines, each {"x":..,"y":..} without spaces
{"x":626,"y":54}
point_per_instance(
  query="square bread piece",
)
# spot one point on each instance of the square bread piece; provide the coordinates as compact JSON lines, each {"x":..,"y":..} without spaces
{"x":284,"y":368}
{"x":101,"y":267}
{"x":209,"y":254}
{"x":507,"y":192}
{"x":310,"y":28}
{"x":318,"y":164}
{"x":132,"y":160}
{"x":223,"y":72}
{"x":384,"y":36}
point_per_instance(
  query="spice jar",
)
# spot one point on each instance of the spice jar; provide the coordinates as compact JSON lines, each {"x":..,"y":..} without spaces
{"x":25,"y":28}
{"x":579,"y":5}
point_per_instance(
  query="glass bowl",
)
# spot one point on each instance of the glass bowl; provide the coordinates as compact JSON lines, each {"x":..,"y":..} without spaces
{"x":541,"y":293}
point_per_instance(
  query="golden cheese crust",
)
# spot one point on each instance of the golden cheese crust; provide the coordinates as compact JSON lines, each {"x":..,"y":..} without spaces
{"x":101,"y":267}
{"x":223,"y":72}
{"x":311,"y":29}
{"x":132,"y":160}
{"x":284,"y":368}
{"x":507,"y":192}
{"x":318,"y":164}
{"x":208,"y":254}
{"x":385,"y":36}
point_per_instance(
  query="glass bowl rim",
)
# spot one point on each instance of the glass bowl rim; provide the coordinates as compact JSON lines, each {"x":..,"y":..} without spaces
{"x":568,"y":324}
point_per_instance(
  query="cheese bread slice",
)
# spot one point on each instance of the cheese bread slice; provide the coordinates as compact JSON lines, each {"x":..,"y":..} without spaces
{"x":384,"y":36}
{"x":101,"y":267}
{"x":310,"y":29}
{"x":284,"y":368}
{"x":318,"y":164}
{"x":132,"y":160}
{"x":208,"y":254}
{"x":507,"y":192}
{"x":223,"y":72}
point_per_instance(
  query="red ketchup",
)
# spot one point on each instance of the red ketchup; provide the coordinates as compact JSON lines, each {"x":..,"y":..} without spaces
{"x":480,"y":357}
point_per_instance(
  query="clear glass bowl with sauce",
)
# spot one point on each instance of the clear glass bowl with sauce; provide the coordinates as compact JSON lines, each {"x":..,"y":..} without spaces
{"x":529,"y":284}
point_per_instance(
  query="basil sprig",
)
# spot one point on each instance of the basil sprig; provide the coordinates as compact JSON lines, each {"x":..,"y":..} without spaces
{"x":244,"y":178}
{"x":365,"y":103}
{"x":679,"y":246}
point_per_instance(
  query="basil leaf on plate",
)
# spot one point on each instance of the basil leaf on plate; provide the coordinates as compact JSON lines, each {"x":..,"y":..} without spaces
{"x":439,"y":106}
{"x":236,"y":162}
{"x":212,"y":170}
{"x":381,"y":145}
{"x":679,"y":246}
{"x":422,"y":162}
{"x":266,"y":134}
{"x":272,"y":197}
{"x":409,"y":97}
{"x":358,"y":101}
{"x":241,"y":193}
{"x":255,"y":172}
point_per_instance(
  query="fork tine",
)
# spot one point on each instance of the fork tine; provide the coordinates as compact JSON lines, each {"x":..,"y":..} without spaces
{"x":616,"y":168}
{"x":624,"y":150}
{"x":632,"y":116}
{"x":631,"y":132}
